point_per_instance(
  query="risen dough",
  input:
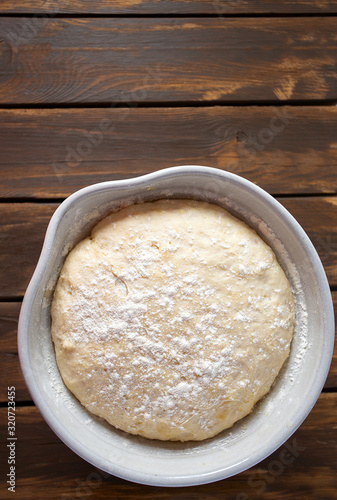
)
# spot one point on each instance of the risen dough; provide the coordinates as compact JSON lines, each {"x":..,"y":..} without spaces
{"x":171,"y":320}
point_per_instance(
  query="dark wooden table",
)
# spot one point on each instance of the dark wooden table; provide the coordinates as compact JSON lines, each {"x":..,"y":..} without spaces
{"x":93,"y":91}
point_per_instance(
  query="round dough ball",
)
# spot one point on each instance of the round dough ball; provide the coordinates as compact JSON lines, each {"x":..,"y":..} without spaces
{"x":171,"y":320}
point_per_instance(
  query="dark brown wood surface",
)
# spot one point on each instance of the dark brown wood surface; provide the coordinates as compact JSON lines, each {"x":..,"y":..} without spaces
{"x":95,"y":91}
{"x":215,"y":7}
{"x":168,"y":60}
{"x":52,"y":152}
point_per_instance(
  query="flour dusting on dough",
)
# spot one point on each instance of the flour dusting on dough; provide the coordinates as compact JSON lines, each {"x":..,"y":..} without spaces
{"x":171,"y":320}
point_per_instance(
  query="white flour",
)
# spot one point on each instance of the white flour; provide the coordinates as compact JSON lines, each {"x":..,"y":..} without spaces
{"x":172,"y":325}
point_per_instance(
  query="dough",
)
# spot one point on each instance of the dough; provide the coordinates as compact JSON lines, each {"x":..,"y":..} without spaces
{"x":171,"y":320}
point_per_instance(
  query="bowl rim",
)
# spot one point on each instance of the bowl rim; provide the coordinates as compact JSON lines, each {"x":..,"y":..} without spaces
{"x":31,"y":291}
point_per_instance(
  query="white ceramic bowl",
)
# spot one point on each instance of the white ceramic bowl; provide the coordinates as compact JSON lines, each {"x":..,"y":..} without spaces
{"x":277,"y":415}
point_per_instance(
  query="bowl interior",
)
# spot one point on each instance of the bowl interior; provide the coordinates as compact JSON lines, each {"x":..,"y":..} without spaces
{"x":277,"y":415}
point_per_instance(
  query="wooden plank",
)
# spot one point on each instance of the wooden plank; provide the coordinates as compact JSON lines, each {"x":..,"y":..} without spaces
{"x":9,"y":362}
{"x":318,"y":217}
{"x":167,"y":60}
{"x":310,"y":474}
{"x":10,"y":367}
{"x":23,"y":228}
{"x":48,"y":153}
{"x":216,"y":7}
{"x":332,"y":377}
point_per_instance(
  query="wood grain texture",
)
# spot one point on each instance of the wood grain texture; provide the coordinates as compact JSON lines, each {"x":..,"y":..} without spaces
{"x":167,"y":60}
{"x":10,"y":366}
{"x":22,"y":231}
{"x":216,"y":7}
{"x":66,"y":476}
{"x":50,"y":153}
{"x":23,"y":228}
{"x":318,"y":217}
{"x":9,"y":361}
